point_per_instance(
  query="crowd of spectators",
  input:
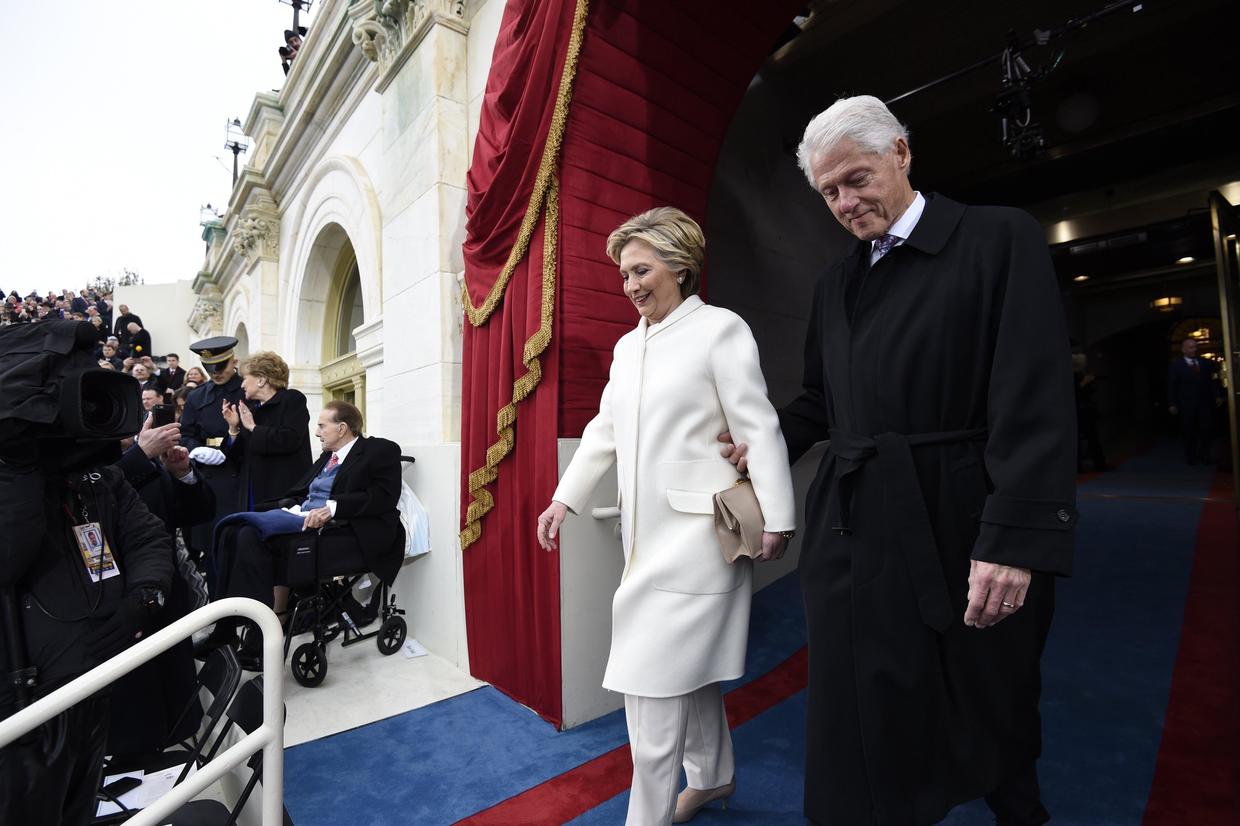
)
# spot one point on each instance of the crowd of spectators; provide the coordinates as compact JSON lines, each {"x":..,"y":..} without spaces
{"x":84,"y":305}
{"x":122,"y":342}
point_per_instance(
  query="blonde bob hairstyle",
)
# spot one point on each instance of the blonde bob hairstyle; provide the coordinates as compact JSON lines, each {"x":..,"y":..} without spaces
{"x":266,"y":365}
{"x":675,"y":237}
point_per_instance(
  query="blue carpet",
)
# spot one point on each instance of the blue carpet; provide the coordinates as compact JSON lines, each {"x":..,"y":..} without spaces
{"x":445,"y":761}
{"x":1107,"y":673}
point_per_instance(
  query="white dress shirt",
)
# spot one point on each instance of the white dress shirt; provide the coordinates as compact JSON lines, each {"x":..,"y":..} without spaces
{"x":903,"y":226}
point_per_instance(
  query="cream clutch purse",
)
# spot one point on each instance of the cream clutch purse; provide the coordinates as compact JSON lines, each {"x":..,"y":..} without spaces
{"x":738,"y":521}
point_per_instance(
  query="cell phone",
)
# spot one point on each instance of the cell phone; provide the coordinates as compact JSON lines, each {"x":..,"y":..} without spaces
{"x":162,"y":414}
{"x":122,"y":785}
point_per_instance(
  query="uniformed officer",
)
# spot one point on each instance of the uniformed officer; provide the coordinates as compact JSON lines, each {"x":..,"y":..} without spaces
{"x":203,"y":431}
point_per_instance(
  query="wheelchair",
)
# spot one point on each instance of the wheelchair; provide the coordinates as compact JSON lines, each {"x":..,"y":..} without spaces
{"x":325,"y":608}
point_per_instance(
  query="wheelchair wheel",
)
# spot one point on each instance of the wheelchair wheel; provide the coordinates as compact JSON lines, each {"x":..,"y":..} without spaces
{"x":391,"y":635}
{"x":309,"y":664}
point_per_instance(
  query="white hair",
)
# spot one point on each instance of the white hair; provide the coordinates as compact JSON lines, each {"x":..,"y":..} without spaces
{"x":864,"y":119}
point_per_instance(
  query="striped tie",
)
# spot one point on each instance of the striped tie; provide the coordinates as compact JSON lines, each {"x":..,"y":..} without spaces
{"x":332,"y":462}
{"x":883,"y":246}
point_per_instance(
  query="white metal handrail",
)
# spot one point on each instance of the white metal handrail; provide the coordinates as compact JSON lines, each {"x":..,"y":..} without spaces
{"x":269,"y":736}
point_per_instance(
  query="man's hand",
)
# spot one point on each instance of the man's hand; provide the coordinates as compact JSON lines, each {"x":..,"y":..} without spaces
{"x":176,"y":460}
{"x":317,"y":518}
{"x":773,"y":547}
{"x":156,"y":441}
{"x":734,"y":453}
{"x":995,"y":593}
{"x":549,"y":525}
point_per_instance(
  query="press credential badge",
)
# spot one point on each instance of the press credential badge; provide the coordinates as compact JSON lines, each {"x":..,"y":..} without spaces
{"x":96,"y":555}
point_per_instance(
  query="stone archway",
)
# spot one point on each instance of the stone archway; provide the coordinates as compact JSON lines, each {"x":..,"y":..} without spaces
{"x":335,"y":224}
{"x":243,"y":341}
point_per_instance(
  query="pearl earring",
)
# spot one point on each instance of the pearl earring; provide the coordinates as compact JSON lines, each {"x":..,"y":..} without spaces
{"x":680,"y":280}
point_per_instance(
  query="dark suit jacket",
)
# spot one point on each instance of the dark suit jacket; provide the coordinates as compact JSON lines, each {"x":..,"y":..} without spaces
{"x":1191,"y":391}
{"x":170,"y":379}
{"x":122,"y":322}
{"x":366,"y":490}
{"x":276,"y":454}
{"x":140,"y":343}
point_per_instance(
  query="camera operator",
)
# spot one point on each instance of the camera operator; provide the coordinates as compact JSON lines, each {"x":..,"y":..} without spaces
{"x":151,"y":697}
{"x":84,"y":565}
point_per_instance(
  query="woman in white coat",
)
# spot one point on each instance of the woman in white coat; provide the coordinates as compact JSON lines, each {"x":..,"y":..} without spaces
{"x":680,"y":616}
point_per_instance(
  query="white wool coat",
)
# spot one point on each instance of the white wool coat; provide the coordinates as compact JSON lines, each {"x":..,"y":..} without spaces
{"x":680,"y":616}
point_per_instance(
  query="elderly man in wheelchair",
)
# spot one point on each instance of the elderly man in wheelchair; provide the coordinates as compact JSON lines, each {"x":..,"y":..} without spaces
{"x":337,"y":525}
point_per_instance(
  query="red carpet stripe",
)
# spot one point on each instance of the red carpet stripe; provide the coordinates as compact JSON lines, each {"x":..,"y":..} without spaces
{"x":579,"y":790}
{"x":1197,"y":776}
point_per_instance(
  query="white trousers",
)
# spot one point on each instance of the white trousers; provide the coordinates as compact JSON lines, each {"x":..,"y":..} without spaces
{"x":667,"y":732}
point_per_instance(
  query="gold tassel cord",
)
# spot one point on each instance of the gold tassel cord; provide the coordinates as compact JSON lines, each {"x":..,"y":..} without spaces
{"x":480,"y":314}
{"x":523,"y":387}
{"x":545,"y":203}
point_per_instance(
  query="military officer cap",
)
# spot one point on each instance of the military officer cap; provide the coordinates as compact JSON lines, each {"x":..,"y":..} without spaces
{"x":215,"y":352}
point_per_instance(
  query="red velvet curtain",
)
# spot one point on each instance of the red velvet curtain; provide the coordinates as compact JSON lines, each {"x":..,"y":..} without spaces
{"x":512,"y":587}
{"x":656,"y":86}
{"x":656,"y":89}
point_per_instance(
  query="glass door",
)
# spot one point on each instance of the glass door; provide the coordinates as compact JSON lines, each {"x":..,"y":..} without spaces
{"x":1225,"y":225}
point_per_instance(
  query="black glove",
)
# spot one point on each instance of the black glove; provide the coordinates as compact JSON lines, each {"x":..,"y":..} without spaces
{"x":123,"y":623}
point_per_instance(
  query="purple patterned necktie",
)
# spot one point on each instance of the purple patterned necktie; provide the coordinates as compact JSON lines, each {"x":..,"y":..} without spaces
{"x":883,"y":246}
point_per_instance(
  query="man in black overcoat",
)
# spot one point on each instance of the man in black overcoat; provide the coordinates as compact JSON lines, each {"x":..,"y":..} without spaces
{"x":139,"y":341}
{"x":1193,"y":391}
{"x":937,"y":364}
{"x":123,"y":320}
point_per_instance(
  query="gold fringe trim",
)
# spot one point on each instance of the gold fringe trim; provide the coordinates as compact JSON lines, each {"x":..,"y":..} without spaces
{"x":524,"y":386}
{"x":542,"y":181}
{"x":544,"y":202}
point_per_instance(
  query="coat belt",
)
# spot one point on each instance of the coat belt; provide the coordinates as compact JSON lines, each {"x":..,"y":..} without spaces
{"x":905,"y":514}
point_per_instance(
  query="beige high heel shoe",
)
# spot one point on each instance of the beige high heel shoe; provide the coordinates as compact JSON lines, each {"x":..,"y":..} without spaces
{"x":691,"y":800}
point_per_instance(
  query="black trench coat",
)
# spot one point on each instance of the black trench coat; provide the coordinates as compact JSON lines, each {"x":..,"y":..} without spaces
{"x":948,"y":401}
{"x":273,"y":456}
{"x":202,"y":425}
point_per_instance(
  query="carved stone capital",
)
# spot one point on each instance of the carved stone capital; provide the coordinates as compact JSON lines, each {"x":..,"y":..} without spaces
{"x":255,"y":236}
{"x":207,"y":317}
{"x":257,"y":232}
{"x":369,"y":34}
{"x":388,"y":31}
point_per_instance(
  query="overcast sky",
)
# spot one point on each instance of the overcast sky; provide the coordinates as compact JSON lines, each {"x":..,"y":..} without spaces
{"x":112,"y":119}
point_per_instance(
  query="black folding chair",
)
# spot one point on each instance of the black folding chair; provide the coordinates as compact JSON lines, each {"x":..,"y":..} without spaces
{"x":245,"y":712}
{"x":221,"y":676}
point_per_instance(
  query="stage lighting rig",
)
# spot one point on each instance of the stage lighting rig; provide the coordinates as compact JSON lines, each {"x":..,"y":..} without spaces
{"x":1019,"y":129}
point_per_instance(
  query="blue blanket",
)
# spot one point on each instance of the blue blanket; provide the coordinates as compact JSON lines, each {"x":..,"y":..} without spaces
{"x":267,"y":523}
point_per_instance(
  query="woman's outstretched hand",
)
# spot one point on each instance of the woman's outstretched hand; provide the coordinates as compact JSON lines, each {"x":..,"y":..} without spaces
{"x":549,"y":525}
